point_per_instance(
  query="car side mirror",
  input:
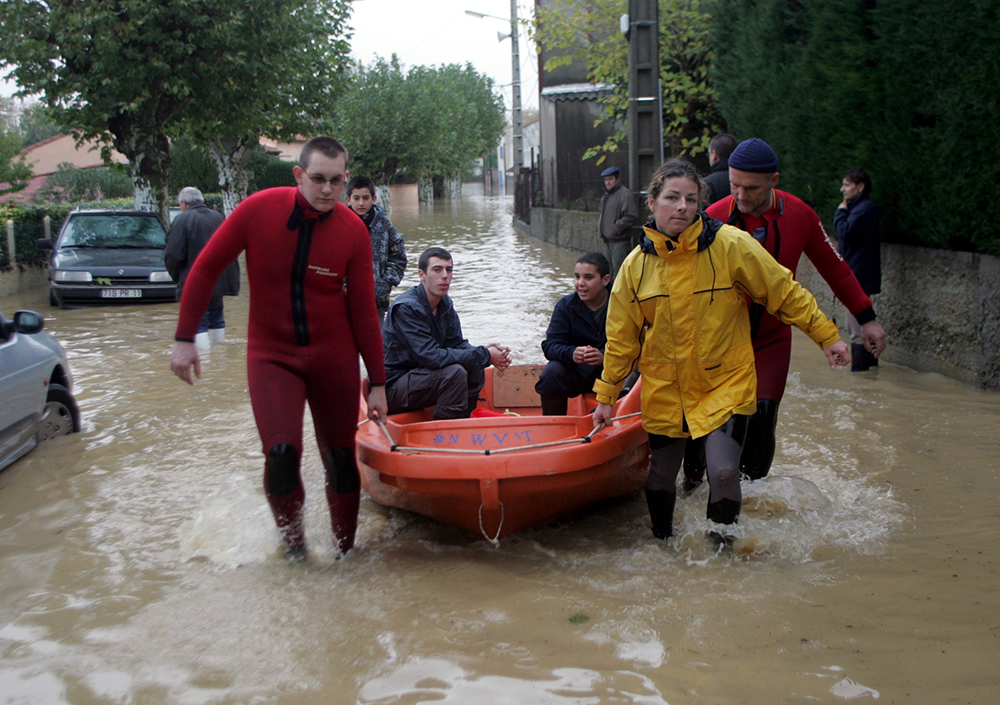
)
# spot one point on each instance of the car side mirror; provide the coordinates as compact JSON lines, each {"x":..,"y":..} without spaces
{"x":45,"y":244}
{"x":28,"y":322}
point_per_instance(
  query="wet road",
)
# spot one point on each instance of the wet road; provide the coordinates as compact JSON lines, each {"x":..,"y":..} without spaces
{"x":139,"y":562}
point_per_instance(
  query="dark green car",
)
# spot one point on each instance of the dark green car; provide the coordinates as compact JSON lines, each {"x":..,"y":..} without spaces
{"x":107,"y":257}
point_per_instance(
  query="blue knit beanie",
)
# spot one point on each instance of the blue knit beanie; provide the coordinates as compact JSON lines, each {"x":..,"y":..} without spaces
{"x":754,"y":155}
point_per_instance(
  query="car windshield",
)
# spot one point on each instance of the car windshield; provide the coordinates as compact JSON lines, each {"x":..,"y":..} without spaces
{"x":114,"y":230}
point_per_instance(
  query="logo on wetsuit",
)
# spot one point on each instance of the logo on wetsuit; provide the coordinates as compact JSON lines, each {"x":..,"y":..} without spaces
{"x":322,"y":271}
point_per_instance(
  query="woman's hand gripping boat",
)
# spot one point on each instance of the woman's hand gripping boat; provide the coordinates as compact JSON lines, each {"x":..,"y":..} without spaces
{"x":500,"y":473}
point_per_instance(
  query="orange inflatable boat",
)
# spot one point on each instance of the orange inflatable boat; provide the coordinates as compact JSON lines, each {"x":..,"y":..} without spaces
{"x":495,"y":475}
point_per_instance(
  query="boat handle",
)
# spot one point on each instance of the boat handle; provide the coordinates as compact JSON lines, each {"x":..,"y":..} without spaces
{"x":496,"y":539}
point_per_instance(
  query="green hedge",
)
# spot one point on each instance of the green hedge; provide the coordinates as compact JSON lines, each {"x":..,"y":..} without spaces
{"x":906,"y":90}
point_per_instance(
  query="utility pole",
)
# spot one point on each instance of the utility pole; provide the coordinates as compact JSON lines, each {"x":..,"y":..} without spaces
{"x":645,"y":113}
{"x":515,"y":57}
{"x":517,"y":128}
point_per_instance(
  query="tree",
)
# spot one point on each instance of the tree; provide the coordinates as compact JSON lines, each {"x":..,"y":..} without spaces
{"x":282,"y":69}
{"x":424,"y":122}
{"x":464,"y":112}
{"x":588,"y":31}
{"x":130,"y":72}
{"x":70,"y":184}
{"x":14,"y":172}
{"x":36,"y":124}
{"x":378,"y":120}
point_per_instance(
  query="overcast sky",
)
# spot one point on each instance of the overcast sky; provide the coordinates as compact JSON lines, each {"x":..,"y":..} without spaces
{"x":432,"y":32}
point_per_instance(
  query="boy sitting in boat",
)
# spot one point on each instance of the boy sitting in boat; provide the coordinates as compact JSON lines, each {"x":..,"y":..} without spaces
{"x":427,"y":361}
{"x":574,"y":342}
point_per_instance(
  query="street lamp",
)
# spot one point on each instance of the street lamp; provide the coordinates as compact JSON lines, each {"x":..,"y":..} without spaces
{"x":516,"y":78}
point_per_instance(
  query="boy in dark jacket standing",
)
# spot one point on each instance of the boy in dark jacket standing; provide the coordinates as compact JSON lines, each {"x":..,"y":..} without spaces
{"x":388,"y":251}
{"x":574,"y":342}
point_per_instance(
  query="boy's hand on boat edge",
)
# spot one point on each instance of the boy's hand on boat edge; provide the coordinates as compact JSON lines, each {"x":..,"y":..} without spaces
{"x":182,"y":358}
{"x":603,"y":414}
{"x":378,"y":408}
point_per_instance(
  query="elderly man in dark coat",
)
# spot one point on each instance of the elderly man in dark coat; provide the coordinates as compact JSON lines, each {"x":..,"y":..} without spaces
{"x":189,"y":233}
{"x":618,"y":213}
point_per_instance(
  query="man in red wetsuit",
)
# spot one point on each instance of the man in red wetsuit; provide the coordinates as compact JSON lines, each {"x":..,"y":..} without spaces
{"x":787,"y":228}
{"x":306,"y":329}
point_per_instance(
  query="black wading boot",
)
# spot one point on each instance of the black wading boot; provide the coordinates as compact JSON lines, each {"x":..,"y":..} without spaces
{"x":554,"y":406}
{"x":694,"y":465}
{"x":861,"y":359}
{"x":661,"y":512}
{"x":725,"y":511}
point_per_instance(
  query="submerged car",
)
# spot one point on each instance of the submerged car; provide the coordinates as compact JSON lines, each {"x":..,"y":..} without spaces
{"x":36,"y":387}
{"x":109,"y":257}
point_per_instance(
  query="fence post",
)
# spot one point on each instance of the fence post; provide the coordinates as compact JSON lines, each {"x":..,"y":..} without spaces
{"x":47,"y":227}
{"x":11,"y":248}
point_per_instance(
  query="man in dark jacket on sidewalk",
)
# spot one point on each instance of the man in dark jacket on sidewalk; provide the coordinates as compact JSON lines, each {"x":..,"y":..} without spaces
{"x":719,"y":149}
{"x":427,"y":361}
{"x":618,"y":213}
{"x":574,"y":342}
{"x":188,"y":234}
{"x":856,"y":224}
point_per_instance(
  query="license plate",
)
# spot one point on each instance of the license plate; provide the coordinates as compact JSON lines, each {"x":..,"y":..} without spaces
{"x":121,"y":293}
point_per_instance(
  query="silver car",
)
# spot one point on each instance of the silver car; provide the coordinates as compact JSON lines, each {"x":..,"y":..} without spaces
{"x":35,"y":387}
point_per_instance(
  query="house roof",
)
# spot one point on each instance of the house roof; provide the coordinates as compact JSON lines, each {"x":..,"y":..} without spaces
{"x":45,"y":157}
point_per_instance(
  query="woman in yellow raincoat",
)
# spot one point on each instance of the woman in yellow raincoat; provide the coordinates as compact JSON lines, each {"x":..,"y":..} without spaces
{"x":678,"y":310}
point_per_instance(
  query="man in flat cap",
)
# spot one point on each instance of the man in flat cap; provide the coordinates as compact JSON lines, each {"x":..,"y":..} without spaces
{"x":787,"y":228}
{"x":617,"y":216}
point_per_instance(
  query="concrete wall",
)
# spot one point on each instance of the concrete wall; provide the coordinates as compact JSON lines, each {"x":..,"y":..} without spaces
{"x":940,"y":309}
{"x":570,"y":230}
{"x":22,"y":277}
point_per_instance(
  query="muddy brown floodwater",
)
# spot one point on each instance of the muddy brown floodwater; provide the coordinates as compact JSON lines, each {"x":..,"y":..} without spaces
{"x":140,"y":563}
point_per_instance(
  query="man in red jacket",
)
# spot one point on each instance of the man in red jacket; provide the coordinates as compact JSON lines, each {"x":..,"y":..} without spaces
{"x":305,"y":331}
{"x":787,"y":228}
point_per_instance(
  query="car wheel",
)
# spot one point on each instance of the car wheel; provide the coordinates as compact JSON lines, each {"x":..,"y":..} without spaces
{"x":60,"y":415}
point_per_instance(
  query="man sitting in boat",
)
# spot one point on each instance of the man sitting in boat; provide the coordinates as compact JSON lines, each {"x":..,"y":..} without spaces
{"x":427,"y":361}
{"x":574,"y":342}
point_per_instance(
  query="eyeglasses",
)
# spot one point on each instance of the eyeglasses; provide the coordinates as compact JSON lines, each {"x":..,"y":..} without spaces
{"x":336,"y":181}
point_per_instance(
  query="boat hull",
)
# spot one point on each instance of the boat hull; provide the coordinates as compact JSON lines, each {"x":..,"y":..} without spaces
{"x":496,"y":476}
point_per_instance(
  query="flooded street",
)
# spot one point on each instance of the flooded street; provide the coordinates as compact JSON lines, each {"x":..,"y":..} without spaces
{"x":140,"y":564}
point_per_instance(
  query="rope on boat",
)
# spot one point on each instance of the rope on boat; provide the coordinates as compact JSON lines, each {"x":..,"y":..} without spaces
{"x":497,"y":451}
{"x":496,"y":539}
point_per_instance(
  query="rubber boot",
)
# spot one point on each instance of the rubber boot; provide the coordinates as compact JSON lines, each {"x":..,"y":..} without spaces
{"x":554,"y":406}
{"x":286,"y":497}
{"x":661,"y":511}
{"x":629,"y":383}
{"x":202,"y":341}
{"x":869,"y":359}
{"x":343,"y":494}
{"x":860,"y":358}
{"x":760,"y":440}
{"x":725,"y":511}
{"x":694,"y":466}
{"x":217,"y":335}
